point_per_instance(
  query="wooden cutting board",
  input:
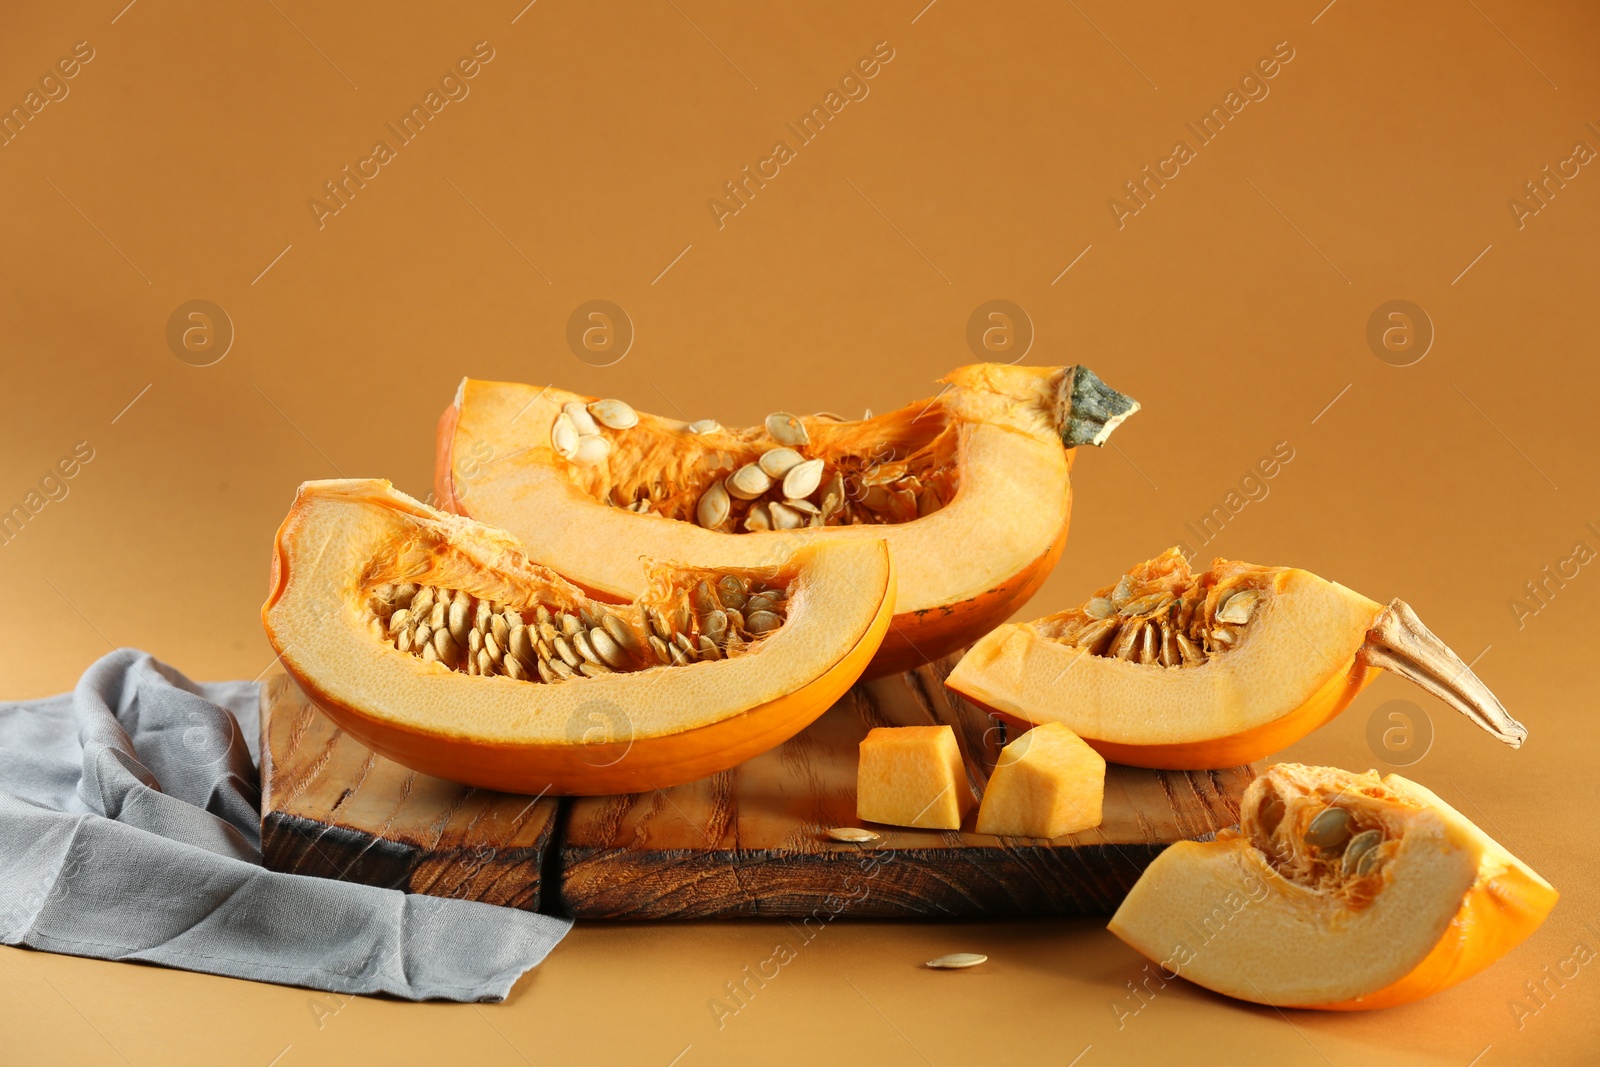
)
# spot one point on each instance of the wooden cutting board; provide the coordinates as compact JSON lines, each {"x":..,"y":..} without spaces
{"x":746,"y":842}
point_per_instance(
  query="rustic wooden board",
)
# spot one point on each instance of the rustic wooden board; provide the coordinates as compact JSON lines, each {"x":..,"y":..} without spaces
{"x":746,"y":842}
{"x":333,"y":808}
{"x":749,"y":841}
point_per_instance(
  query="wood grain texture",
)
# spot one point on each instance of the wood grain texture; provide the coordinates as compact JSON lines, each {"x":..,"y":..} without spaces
{"x":750,"y":842}
{"x":747,"y":842}
{"x":333,"y":808}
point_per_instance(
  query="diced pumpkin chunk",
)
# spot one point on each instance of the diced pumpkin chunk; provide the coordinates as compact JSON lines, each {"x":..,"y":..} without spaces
{"x":912,"y":776}
{"x":1046,"y":783}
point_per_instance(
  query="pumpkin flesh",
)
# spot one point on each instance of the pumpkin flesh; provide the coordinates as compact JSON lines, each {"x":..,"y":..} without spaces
{"x":655,"y":725}
{"x":1264,"y":915}
{"x":986,"y":522}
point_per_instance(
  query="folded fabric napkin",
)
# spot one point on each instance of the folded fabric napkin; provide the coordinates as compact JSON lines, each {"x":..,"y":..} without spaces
{"x":130,"y":830}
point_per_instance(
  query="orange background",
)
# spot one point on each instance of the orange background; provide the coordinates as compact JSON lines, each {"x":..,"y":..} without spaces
{"x":1234,"y":305}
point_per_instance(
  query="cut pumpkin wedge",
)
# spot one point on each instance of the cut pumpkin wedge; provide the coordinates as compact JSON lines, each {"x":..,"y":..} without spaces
{"x":970,"y":488}
{"x":1171,"y":669}
{"x":433,"y":640}
{"x":1338,"y":891}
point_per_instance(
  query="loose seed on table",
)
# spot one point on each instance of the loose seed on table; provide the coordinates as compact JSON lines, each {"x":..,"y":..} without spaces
{"x":957,"y":960}
{"x":854,"y":834}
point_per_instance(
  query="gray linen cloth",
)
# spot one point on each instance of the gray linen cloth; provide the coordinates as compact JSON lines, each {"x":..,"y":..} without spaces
{"x":130,"y":830}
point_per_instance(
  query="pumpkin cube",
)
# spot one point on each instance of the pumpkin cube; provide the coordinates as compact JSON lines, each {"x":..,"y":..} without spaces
{"x":912,"y":776}
{"x":1046,"y":783}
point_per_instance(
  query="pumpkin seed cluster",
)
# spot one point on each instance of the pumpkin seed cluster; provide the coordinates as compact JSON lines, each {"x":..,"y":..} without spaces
{"x":784,"y":488}
{"x":1161,"y":614}
{"x":539,"y":644}
{"x":1338,"y":843}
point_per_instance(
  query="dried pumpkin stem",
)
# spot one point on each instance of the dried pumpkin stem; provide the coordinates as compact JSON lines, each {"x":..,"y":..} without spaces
{"x":1087,"y":409}
{"x":1399,"y":642}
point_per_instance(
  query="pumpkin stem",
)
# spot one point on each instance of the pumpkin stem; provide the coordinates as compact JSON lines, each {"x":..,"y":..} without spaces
{"x":1399,"y":642}
{"x":1087,"y":409}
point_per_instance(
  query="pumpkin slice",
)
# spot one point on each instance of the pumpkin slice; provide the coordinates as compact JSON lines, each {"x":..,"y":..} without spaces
{"x":969,"y":488}
{"x":1338,"y":891}
{"x":1171,"y":669}
{"x":433,"y":640}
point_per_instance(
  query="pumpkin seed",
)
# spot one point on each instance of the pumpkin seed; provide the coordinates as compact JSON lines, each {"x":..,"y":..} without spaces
{"x":714,"y":624}
{"x":1369,"y":861}
{"x":1238,"y":606}
{"x":702,"y":599}
{"x":564,"y":436}
{"x":580,"y":641}
{"x":854,"y":834}
{"x":1329,"y":830}
{"x":705,"y":426}
{"x":520,"y":645}
{"x":748,"y":482}
{"x":777,"y":461}
{"x":803,"y":479}
{"x":582,"y":421}
{"x":607,"y":648}
{"x":714,"y":507}
{"x":760,"y":622}
{"x":460,"y":621}
{"x":1145,"y":605}
{"x":592,"y":448}
{"x":957,"y":961}
{"x":1357,"y":850}
{"x":707,"y":648}
{"x":614,"y":414}
{"x":785,"y":517}
{"x":759,"y":518}
{"x":802,"y":505}
{"x":787,"y":429}
{"x":731,"y":590}
{"x":565,"y":650}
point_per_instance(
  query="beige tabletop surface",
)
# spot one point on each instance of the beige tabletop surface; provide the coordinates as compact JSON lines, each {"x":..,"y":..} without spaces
{"x":1435,"y":153}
